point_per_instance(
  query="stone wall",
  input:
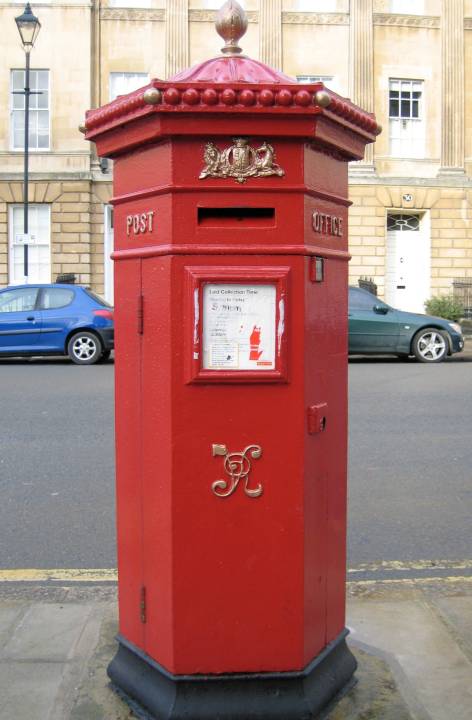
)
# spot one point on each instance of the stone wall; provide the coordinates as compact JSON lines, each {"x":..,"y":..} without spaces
{"x":76,"y":226}
{"x":450,"y":216}
{"x":366,"y":235}
{"x":101,"y":194}
{"x":70,"y":231}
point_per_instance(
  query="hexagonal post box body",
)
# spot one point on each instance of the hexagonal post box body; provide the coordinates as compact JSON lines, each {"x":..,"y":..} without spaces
{"x":230,"y":215}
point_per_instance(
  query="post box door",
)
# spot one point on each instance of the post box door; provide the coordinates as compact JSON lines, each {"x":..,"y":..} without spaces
{"x":128,"y":429}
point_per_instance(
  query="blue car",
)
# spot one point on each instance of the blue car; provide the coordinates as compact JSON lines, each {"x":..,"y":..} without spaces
{"x":55,"y":319}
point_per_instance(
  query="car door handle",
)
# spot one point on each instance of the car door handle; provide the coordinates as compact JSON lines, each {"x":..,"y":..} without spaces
{"x":31,"y":318}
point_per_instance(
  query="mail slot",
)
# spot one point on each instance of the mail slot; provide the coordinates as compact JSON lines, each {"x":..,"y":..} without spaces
{"x":234,"y":216}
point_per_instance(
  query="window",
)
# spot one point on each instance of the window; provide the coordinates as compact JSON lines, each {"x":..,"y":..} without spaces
{"x":122,"y":83}
{"x":53,"y":298}
{"x":406,"y":118}
{"x":98,"y":298}
{"x":39,"y":252}
{"x":403,"y":223}
{"x":404,"y":99}
{"x":212,"y":4}
{"x":38,"y":110}
{"x":329,"y":80}
{"x":314,"y":78}
{"x":361,"y":299}
{"x":131,"y":3}
{"x":20,"y":300}
{"x":316,"y":5}
{"x":407,"y":7}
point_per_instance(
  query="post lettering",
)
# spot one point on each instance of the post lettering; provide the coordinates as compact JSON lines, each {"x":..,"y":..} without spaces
{"x":328,"y":224}
{"x":140,"y":223}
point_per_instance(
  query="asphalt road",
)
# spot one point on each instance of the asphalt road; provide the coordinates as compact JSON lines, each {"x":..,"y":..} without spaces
{"x":410,"y":460}
{"x":410,"y":466}
{"x":56,"y":464}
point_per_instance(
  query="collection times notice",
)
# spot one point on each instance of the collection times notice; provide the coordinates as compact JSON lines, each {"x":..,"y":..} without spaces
{"x":239,"y":326}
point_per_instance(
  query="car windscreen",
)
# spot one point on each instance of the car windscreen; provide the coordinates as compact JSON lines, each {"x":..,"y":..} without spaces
{"x":97,"y":298}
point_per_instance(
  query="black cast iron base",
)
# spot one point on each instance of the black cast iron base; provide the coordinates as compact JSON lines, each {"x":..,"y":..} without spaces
{"x":158,"y":695}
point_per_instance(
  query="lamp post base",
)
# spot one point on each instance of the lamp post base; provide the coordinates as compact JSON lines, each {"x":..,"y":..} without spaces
{"x":159,"y":695}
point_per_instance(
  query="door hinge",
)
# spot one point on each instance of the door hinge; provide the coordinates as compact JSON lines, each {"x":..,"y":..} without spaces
{"x":140,"y":314}
{"x":142,"y":604}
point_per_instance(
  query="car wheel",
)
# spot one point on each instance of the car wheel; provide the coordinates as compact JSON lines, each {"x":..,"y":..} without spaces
{"x":430,"y":345}
{"x":84,"y":348}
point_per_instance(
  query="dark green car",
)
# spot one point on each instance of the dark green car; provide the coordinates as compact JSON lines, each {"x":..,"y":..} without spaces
{"x":375,"y":328}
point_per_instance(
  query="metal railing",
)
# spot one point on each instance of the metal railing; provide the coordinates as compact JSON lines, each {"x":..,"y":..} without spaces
{"x":462,"y":293}
{"x":367,"y":284}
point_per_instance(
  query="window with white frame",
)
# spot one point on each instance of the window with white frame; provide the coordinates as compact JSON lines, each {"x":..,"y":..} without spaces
{"x":330,"y":81}
{"x":316,"y":5}
{"x":122,"y":83}
{"x":211,"y":4}
{"x":130,"y":3}
{"x":39,"y":110}
{"x":406,"y":121}
{"x":407,"y":7}
{"x":39,"y":247}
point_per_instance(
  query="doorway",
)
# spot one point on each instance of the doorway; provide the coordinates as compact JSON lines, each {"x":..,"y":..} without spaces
{"x":408,"y":276}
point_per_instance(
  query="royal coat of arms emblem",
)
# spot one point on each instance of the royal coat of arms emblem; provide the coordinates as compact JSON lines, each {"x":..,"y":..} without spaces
{"x":240,"y":161}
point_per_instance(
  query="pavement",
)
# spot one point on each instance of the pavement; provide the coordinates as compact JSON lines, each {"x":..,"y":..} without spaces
{"x":410,"y":630}
{"x":411,"y":634}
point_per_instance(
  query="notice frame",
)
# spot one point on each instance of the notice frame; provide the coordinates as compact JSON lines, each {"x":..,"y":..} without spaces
{"x":257,"y":298}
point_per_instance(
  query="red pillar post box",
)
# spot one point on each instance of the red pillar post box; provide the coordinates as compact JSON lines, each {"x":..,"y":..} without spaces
{"x":230,"y":201}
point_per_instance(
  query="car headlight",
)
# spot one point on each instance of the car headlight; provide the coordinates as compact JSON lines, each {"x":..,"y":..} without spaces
{"x":456,"y":327}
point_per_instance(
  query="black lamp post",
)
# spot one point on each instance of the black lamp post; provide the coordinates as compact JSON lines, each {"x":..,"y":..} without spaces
{"x":28,"y":27}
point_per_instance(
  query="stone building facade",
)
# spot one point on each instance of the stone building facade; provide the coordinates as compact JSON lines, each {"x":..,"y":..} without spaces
{"x":410,"y":220}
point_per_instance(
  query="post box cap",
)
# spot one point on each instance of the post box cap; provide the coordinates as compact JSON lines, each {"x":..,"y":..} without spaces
{"x":230,"y":85}
{"x":231,"y":65}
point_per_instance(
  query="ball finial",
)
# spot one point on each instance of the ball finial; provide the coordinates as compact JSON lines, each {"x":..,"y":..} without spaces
{"x":231,"y":24}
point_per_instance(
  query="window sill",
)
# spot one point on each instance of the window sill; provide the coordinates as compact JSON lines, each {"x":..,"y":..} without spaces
{"x":406,"y":158}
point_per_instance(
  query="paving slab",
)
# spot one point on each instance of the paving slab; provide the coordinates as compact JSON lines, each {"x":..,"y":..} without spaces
{"x":28,"y":689}
{"x":431,"y":661}
{"x":10,"y":616}
{"x":457,"y":613}
{"x":374,"y":696}
{"x":46,"y":632}
{"x":411,"y":647}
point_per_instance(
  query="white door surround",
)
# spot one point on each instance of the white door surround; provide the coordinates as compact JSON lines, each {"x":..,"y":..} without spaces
{"x":408,"y":271}
{"x":108,"y":245}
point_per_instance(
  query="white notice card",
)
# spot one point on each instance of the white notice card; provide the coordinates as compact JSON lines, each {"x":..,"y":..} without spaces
{"x":238,"y":326}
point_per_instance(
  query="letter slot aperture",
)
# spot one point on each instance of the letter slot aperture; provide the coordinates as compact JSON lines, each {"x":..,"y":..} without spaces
{"x":236,"y":217}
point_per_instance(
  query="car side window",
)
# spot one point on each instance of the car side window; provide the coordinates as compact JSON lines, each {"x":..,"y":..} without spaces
{"x":359,"y":300}
{"x":53,"y":298}
{"x":20,"y":299}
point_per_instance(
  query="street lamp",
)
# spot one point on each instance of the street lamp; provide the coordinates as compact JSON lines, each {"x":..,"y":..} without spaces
{"x":28,"y":26}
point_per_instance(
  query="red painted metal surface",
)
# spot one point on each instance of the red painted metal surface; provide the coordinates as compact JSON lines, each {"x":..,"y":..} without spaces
{"x":237,"y":583}
{"x":234,"y":70}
